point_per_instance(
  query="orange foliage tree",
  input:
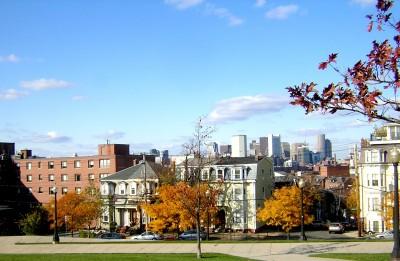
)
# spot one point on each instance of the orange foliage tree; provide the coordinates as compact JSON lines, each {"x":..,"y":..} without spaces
{"x":283,"y":209}
{"x":78,"y":210}
{"x":175,"y":209}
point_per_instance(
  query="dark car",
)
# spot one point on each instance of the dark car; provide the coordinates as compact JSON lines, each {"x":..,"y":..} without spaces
{"x":110,"y":235}
{"x":191,"y":235}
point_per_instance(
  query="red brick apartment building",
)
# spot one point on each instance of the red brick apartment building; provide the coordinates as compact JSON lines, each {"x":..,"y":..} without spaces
{"x":72,"y":174}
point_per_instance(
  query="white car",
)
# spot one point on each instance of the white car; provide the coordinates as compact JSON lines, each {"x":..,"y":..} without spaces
{"x":336,"y":228}
{"x":388,"y":234}
{"x":147,"y":236}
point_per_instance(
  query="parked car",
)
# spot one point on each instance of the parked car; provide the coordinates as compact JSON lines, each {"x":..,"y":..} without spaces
{"x":147,"y":236}
{"x":335,"y":228}
{"x":388,"y":234}
{"x":192,"y":235}
{"x":110,"y":235}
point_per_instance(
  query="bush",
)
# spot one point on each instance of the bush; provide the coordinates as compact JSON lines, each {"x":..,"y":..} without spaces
{"x":36,"y":222}
{"x":85,"y":234}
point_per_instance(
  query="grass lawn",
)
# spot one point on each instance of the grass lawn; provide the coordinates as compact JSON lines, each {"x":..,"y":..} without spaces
{"x":361,"y":257}
{"x":117,"y":257}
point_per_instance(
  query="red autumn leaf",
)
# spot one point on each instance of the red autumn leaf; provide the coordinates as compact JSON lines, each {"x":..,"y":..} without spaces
{"x":332,"y":57}
{"x":323,"y":65}
{"x":310,"y":87}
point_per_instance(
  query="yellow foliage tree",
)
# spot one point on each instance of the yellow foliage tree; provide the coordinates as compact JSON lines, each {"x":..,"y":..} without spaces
{"x":387,"y":210}
{"x":176,"y":205}
{"x":283,"y":209}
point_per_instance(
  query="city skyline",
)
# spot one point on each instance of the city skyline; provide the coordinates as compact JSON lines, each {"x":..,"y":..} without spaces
{"x":75,"y":75}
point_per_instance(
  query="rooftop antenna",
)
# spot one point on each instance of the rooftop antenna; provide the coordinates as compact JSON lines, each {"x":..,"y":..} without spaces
{"x":108,"y":141}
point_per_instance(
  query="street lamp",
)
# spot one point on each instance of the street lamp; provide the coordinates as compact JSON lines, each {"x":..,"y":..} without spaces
{"x":302,"y":184}
{"x":394,"y":158}
{"x":56,"y":238}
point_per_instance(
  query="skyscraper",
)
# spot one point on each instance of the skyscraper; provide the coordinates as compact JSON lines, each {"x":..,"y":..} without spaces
{"x":285,"y":148}
{"x":225,"y":150}
{"x":239,"y":146}
{"x":263,"y":145}
{"x":328,"y":148}
{"x":320,"y":146}
{"x":274,"y":146}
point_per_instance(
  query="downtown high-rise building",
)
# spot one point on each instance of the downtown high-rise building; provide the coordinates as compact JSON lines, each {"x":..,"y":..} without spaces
{"x":239,"y":146}
{"x":274,"y":146}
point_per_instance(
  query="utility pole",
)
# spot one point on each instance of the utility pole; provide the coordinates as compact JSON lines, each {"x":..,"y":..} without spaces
{"x":145,"y":191}
{"x":358,"y":190}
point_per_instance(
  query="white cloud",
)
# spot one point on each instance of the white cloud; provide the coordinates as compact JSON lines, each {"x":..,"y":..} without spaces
{"x":49,"y":137}
{"x":183,"y":4}
{"x":282,"y":12}
{"x":364,"y":2}
{"x":223,"y":13}
{"x":260,"y":3}
{"x":78,"y":97}
{"x":241,"y":108}
{"x":11,"y":58}
{"x":11,"y":94}
{"x":43,"y":84}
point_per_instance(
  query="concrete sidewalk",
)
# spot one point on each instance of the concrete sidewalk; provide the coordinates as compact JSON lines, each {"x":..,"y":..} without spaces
{"x":257,"y":251}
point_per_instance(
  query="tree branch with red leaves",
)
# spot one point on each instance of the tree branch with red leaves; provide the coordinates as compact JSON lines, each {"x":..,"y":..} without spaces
{"x":369,"y":87}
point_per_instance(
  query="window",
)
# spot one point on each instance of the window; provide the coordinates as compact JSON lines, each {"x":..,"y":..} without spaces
{"x":105,"y":218}
{"x":237,"y":173}
{"x":50,"y":164}
{"x":133,"y":188}
{"x":51,"y":192}
{"x":77,"y":177}
{"x":236,"y":218}
{"x":220,"y":174}
{"x":204,"y":175}
{"x":104,"y":163}
{"x":39,"y":165}
{"x":238,"y":193}
{"x":51,"y":177}
{"x":64,"y":177}
{"x":29,"y":178}
{"x":77,"y":164}
{"x":91,"y":177}
{"x":90,"y":163}
{"x":375,"y":180}
{"x":40,"y":190}
{"x":64,"y":190}
{"x":104,"y":175}
{"x":40,"y":177}
{"x":373,"y":204}
{"x":122,"y":189}
{"x":29,"y":165}
{"x":78,"y":190}
{"x":63,"y":164}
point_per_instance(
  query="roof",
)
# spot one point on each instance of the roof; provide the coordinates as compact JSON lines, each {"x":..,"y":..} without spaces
{"x":135,"y":172}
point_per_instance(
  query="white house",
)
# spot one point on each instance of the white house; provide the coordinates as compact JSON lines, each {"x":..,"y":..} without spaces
{"x":376,"y":175}
{"x":123,"y":192}
{"x":246,"y":183}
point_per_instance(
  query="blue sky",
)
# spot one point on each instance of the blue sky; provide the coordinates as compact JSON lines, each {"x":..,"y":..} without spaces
{"x":75,"y":73}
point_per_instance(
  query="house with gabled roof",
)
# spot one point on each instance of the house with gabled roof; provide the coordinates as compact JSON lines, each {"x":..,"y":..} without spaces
{"x":246,"y":182}
{"x":124,"y":191}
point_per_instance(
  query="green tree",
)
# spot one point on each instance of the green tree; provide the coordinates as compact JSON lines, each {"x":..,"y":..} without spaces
{"x":36,"y":222}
